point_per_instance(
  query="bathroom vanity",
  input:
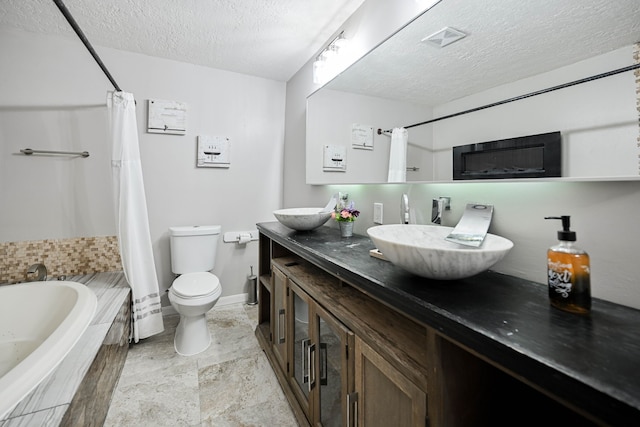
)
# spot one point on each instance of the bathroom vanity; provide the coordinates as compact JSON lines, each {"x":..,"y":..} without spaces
{"x":356,"y":341}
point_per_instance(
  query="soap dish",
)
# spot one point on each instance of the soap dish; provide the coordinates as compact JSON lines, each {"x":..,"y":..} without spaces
{"x":377,"y":254}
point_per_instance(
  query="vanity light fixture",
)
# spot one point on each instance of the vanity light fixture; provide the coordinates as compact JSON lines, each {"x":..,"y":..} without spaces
{"x":444,"y":37}
{"x":327,"y":62}
{"x":319,"y":67}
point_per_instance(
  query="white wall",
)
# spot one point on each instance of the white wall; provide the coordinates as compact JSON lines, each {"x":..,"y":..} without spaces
{"x":53,"y":98}
{"x":604,"y":214}
{"x":372,"y":23}
{"x":334,"y":113}
{"x":598,"y":120}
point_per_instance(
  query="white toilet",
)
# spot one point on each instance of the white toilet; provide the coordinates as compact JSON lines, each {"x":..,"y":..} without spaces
{"x":195,"y":291}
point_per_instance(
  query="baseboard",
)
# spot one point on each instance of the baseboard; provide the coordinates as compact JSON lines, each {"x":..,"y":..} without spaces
{"x":231,"y":299}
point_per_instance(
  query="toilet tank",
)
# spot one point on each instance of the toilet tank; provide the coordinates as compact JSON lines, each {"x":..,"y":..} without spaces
{"x":193,"y":248}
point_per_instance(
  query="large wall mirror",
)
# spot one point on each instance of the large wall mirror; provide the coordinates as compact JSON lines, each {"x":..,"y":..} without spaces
{"x":511,"y":48}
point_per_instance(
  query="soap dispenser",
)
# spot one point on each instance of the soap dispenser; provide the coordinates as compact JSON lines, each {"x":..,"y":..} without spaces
{"x":569,"y":275}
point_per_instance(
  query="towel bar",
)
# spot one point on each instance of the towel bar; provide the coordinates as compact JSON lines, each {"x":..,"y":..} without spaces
{"x":29,"y":151}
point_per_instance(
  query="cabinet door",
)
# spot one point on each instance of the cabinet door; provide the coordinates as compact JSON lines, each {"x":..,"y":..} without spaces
{"x":301,"y":349}
{"x":385,"y":397}
{"x":279,"y":284}
{"x":333,"y":370}
{"x":321,"y":366}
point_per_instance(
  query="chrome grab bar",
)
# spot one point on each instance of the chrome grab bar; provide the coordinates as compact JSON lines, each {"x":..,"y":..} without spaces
{"x":29,"y":151}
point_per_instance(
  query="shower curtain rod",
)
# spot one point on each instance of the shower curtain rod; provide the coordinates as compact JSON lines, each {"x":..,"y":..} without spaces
{"x":528,"y":95}
{"x":84,"y":40}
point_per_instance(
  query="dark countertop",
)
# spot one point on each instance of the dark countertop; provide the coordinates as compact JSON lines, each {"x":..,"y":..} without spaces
{"x":592,"y":362}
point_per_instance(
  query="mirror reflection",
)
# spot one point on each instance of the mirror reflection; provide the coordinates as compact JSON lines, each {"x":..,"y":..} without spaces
{"x":510,"y":48}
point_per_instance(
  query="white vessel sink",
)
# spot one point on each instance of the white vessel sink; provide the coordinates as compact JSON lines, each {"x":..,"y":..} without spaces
{"x":423,"y":250}
{"x":302,"y":219}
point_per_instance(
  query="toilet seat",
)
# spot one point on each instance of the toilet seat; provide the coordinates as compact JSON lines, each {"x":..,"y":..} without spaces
{"x":195,"y":285}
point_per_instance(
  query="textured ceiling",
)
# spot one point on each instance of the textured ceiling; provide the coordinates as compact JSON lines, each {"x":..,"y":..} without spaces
{"x":266,"y":38}
{"x":507,"y":40}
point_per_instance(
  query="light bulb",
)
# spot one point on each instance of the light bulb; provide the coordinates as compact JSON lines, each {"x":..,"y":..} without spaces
{"x":319,"y":74}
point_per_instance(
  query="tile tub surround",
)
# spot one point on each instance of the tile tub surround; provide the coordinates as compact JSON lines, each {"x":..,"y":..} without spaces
{"x":47,"y":404}
{"x":69,"y":257}
{"x":91,"y":402}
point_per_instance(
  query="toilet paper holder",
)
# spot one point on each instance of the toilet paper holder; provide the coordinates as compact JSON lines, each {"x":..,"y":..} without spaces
{"x":240,"y":237}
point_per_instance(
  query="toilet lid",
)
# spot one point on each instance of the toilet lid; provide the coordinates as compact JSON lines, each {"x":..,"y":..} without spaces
{"x":192,"y":285}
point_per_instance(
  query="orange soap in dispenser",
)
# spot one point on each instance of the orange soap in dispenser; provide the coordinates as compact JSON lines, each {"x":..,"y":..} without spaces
{"x":569,"y":274}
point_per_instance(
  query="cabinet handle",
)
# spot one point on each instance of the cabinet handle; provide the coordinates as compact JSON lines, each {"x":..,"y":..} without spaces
{"x":281,"y":327}
{"x":352,"y":398}
{"x":312,"y":365}
{"x":323,"y":364}
{"x":305,"y":366}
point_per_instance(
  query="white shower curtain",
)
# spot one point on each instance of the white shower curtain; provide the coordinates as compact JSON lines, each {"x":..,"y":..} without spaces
{"x":131,"y":217}
{"x":398,"y":155}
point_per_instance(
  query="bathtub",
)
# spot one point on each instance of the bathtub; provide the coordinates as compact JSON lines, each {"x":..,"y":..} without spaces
{"x":39,"y":323}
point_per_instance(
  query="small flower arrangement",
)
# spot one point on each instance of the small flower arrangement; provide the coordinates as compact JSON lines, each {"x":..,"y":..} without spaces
{"x":346,"y":214}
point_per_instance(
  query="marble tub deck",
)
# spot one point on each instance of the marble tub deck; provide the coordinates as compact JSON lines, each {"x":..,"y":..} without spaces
{"x":48,"y":402}
{"x":229,"y":384}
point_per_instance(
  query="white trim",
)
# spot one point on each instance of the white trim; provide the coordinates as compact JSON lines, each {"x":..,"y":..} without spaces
{"x":231,"y":299}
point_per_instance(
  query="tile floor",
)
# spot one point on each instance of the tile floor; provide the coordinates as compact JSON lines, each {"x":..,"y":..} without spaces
{"x":229,"y":384}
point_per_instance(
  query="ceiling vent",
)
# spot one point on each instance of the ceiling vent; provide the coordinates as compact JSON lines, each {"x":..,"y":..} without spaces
{"x":444,"y":37}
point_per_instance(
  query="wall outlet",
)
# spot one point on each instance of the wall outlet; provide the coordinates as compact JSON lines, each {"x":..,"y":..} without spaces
{"x":377,"y":213}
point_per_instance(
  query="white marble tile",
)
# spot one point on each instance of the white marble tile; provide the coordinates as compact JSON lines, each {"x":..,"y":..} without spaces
{"x":60,"y":385}
{"x":277,"y":413}
{"x":47,"y":418}
{"x":153,"y":354}
{"x":166,"y":397}
{"x":234,"y":383}
{"x":111,"y":289}
{"x":252,"y":313}
{"x":232,"y":335}
{"x":232,"y":387}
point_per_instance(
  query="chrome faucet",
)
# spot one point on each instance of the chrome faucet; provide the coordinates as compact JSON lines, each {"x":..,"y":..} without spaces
{"x":38,"y":269}
{"x":437,"y":207}
{"x":404,"y":209}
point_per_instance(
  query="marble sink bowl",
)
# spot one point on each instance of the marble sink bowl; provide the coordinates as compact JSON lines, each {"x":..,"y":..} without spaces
{"x":302,"y":219}
{"x":423,"y":250}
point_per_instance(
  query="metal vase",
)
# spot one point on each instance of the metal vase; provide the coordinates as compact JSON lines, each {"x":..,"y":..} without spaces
{"x":346,"y":228}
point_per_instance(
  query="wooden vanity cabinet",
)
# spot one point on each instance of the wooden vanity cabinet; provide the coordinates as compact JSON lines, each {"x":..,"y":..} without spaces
{"x":280,"y":286}
{"x":321,"y":369}
{"x":330,"y":333}
{"x":384,"y":396}
{"x":301,"y":375}
{"x":400,"y":366}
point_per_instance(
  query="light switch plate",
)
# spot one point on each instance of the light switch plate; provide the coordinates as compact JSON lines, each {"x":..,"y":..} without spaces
{"x":377,"y":213}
